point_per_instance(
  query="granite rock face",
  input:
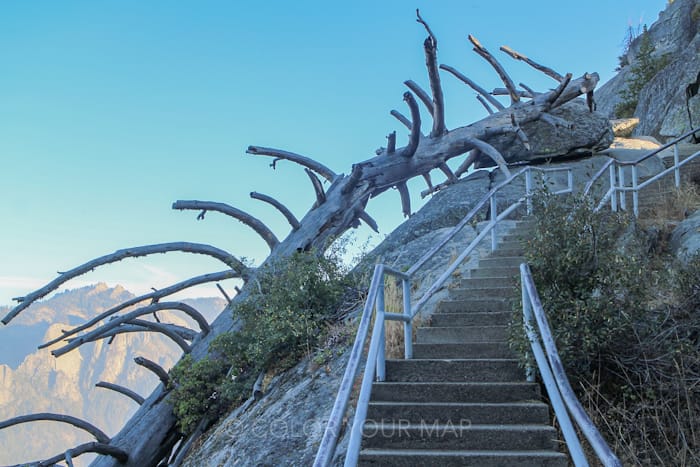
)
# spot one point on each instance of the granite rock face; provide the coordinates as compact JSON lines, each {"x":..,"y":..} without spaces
{"x":685,"y":239}
{"x":669,"y":105}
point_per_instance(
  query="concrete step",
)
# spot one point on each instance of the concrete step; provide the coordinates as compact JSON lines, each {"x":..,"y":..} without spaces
{"x":469,"y":350}
{"x":483,"y":392}
{"x":485,"y":282}
{"x":472,"y":293}
{"x":471,"y":306}
{"x":459,"y":413}
{"x":461,"y":334}
{"x":445,"y":458}
{"x":479,"y":318}
{"x":500,"y":262}
{"x":508,"y":250}
{"x":506,"y":273}
{"x":453,"y":370}
{"x":455,"y":437}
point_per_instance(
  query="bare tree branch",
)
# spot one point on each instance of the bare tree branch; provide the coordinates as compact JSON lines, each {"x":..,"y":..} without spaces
{"x":448,"y":173}
{"x":307,"y":162}
{"x":169,"y":329}
{"x":223,"y":292}
{"x":402,"y":118}
{"x":391,"y":143}
{"x":468,"y":161}
{"x":493,"y":153}
{"x":98,"y":448}
{"x":100,"y":332}
{"x":45,"y":416}
{"x":405,"y":199}
{"x":318,"y":188}
{"x":474,"y":86}
{"x":506,"y":92}
{"x":293,"y":221}
{"x":556,"y":121}
{"x":121,"y":390}
{"x":520,"y":133}
{"x":552,"y":98}
{"x":518,"y":56}
{"x":531,"y":91}
{"x":253,"y":222}
{"x":419,"y":19}
{"x":486,"y":105}
{"x":185,"y":247}
{"x":414,"y":139}
{"x":422,"y":95}
{"x":154,"y":296}
{"x":481,"y":50}
{"x":371,"y":223}
{"x":155,"y":368}
{"x":431,"y":63}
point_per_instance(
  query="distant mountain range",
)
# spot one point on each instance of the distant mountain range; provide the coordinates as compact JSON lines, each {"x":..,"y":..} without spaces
{"x":33,"y":380}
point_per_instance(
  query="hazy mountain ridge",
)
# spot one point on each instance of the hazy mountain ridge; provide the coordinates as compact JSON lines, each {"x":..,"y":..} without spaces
{"x":33,"y":380}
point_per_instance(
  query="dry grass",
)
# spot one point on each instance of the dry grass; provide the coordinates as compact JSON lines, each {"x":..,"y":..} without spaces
{"x":674,"y":206}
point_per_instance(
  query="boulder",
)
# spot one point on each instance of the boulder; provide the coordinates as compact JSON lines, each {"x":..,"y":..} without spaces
{"x":590,"y":132}
{"x":623,"y":127}
{"x":685,"y":239}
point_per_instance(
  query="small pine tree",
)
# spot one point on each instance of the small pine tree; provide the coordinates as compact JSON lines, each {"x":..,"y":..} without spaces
{"x":644,"y":68}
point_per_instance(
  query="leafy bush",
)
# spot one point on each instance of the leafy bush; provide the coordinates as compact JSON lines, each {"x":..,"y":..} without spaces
{"x":283,"y":318}
{"x":588,"y":281}
{"x":627,"y":323}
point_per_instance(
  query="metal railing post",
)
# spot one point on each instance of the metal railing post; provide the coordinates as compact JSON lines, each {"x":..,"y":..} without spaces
{"x":570,"y":179}
{"x":613,"y":188}
{"x":381,"y":353}
{"x":494,"y":215}
{"x":407,"y":326}
{"x":676,"y":167}
{"x":527,"y":321}
{"x":635,"y":191}
{"x":528,"y":190}
{"x":623,"y":194}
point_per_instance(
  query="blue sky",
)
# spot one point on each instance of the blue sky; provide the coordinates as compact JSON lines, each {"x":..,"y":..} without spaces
{"x":112,"y":110}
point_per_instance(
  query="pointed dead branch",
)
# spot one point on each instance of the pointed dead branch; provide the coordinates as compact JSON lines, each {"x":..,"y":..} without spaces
{"x":293,"y":221}
{"x":121,"y":390}
{"x":253,"y":222}
{"x":464,"y":166}
{"x":318,"y":188}
{"x":422,"y":95}
{"x":486,"y":105}
{"x":486,"y":55}
{"x":448,"y":173}
{"x":483,"y":92}
{"x":492,"y":152}
{"x":132,"y":328}
{"x":431,"y":63}
{"x":414,"y":139}
{"x":552,"y":98}
{"x":369,"y":220}
{"x":556,"y":121}
{"x":185,"y":247}
{"x":153,"y":296}
{"x":391,"y":143}
{"x":402,"y":118}
{"x":96,"y":447}
{"x":45,"y":416}
{"x":506,"y":92}
{"x":223,"y":292}
{"x":101,"y":332}
{"x":419,"y":19}
{"x":428,"y":180}
{"x":307,"y":162}
{"x":405,"y":199}
{"x":590,"y":101}
{"x":158,"y":370}
{"x":518,"y":56}
{"x":169,"y":329}
{"x":520,"y":133}
{"x":531,"y":91}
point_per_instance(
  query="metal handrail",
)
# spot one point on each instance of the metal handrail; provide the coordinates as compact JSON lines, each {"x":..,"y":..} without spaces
{"x":375,"y":365}
{"x":555,"y":380}
{"x":616,"y":173}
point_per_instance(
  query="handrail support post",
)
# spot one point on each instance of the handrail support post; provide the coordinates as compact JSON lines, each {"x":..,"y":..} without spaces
{"x":381,"y":353}
{"x":494,"y":215}
{"x":676,"y":166}
{"x":635,"y":191}
{"x":623,"y":193}
{"x":528,"y":190}
{"x":613,"y":188}
{"x":407,"y":326}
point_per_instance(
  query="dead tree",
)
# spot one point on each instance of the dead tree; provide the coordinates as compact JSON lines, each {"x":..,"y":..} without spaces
{"x":149,"y":436}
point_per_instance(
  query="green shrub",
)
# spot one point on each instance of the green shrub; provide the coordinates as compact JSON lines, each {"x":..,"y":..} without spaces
{"x":589,"y":269}
{"x":283,"y":318}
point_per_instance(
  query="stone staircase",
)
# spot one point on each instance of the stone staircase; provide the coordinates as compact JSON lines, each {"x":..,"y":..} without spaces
{"x":463,"y":400}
